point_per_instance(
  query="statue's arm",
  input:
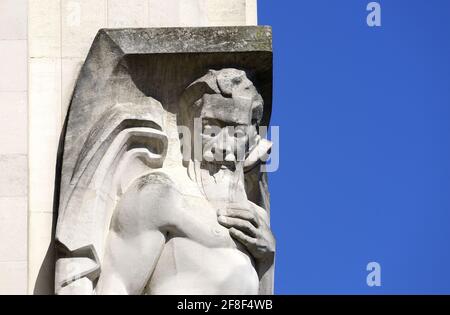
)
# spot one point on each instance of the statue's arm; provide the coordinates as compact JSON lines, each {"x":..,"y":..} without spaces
{"x":137,"y":236}
{"x":129,"y":262}
{"x":135,"y":241}
{"x":127,"y":265}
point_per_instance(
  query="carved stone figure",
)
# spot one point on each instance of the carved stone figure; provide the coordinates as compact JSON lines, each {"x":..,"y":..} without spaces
{"x":136,"y":218}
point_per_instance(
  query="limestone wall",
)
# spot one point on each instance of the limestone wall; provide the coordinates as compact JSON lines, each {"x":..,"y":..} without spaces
{"x":13,"y":147}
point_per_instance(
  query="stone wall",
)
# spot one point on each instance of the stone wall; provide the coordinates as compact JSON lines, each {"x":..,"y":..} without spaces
{"x":13,"y":147}
{"x":60,"y":33}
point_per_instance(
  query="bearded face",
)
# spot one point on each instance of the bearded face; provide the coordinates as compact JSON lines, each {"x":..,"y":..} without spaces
{"x":222,"y":110}
{"x":225,"y":134}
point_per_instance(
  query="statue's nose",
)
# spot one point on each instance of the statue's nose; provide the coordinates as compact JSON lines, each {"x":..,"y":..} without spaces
{"x":224,"y":150}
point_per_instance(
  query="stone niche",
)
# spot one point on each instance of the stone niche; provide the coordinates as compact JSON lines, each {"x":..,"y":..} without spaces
{"x":121,"y":172}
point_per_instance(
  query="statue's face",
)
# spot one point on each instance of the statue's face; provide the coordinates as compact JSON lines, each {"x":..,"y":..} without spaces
{"x":225,"y":130}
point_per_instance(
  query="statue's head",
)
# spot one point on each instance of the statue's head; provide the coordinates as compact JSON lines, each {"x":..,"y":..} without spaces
{"x":224,"y":108}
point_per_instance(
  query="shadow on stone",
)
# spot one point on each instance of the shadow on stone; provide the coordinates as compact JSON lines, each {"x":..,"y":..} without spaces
{"x":45,"y":284}
{"x":45,"y":281}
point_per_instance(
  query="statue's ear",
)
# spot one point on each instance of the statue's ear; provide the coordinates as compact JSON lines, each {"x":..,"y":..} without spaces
{"x":259,"y":153}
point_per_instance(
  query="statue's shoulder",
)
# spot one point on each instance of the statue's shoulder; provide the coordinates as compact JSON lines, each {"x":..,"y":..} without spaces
{"x":156,"y":181}
{"x":173,"y":179}
{"x":148,"y":203}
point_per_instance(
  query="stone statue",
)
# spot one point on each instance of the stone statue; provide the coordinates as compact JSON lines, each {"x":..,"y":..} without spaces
{"x":132,"y":223}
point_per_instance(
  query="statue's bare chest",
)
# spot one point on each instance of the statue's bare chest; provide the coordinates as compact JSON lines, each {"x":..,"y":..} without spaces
{"x":196,"y":220}
{"x":197,"y":246}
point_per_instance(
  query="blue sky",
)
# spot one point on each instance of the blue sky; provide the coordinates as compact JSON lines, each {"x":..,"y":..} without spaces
{"x":364,"y":116}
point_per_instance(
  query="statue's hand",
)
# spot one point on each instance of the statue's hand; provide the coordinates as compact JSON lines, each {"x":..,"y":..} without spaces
{"x":249,"y":227}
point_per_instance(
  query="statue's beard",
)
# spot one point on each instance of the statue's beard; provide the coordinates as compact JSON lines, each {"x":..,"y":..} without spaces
{"x":222,"y":182}
{"x":219,"y":168}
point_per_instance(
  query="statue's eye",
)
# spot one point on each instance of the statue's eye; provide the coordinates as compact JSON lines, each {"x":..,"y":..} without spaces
{"x":209,"y":130}
{"x":239,"y":133}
